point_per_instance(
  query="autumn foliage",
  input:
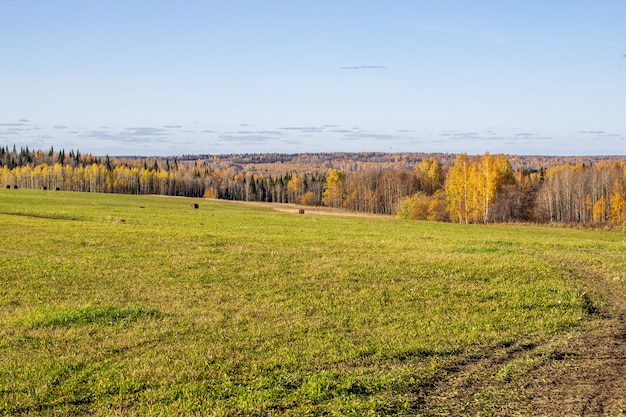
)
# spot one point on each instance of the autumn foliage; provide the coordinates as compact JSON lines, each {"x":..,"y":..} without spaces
{"x":461,"y":188}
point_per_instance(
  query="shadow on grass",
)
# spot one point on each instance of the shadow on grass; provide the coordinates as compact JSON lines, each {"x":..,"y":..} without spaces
{"x":96,"y":315}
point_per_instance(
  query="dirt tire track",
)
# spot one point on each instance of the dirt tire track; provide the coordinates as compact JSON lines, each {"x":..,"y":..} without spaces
{"x":587,"y":373}
{"x":591,"y":381}
{"x":578,"y":373}
{"x":469,"y":388}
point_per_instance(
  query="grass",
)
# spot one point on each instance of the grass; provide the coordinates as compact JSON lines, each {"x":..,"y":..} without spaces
{"x":141,"y":305}
{"x":82,"y":316}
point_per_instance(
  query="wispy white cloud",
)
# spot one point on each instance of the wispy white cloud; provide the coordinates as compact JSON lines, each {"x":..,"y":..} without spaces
{"x":244,"y":138}
{"x":292,"y":142}
{"x":251,"y":136}
{"x":98,"y":135}
{"x":363,"y":67}
{"x":600,"y":134}
{"x":20,"y":127}
{"x":362,"y":135}
{"x":453,"y":134}
{"x":592,"y":132}
{"x":131,"y":135}
{"x":490,"y":137}
{"x":15,"y":124}
{"x":166,"y":138}
{"x":5,"y":132}
{"x":144,"y":131}
{"x":304,"y":129}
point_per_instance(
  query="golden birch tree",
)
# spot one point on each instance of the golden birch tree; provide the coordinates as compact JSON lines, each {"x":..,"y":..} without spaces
{"x":334,"y":190}
{"x":458,"y":189}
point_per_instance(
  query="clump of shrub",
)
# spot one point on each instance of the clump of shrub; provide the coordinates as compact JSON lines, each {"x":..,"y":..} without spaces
{"x":421,"y":206}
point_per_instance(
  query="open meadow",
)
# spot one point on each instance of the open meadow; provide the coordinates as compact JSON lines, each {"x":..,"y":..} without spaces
{"x":142,"y":305}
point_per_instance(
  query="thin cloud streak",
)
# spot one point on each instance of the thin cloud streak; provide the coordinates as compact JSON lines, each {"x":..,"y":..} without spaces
{"x":144,"y":131}
{"x":173,"y":139}
{"x":363,"y":67}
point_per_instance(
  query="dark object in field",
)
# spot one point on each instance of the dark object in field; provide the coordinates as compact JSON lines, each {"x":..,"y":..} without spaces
{"x":8,"y":187}
{"x":15,"y":187}
{"x":45,"y":188}
{"x":301,"y":211}
{"x":195,"y":206}
{"x":58,"y":189}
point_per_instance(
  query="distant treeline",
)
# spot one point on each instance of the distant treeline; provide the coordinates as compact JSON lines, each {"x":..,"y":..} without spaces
{"x":442,"y":187}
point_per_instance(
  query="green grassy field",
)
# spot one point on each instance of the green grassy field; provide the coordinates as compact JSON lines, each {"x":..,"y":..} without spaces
{"x":141,"y":305}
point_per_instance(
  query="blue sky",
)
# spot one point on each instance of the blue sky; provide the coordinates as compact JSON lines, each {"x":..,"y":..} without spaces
{"x":176,"y":77}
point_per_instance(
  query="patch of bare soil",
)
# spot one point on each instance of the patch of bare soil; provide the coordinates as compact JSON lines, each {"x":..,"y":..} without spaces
{"x":586,"y":374}
{"x":298,"y":209}
{"x":578,"y":373}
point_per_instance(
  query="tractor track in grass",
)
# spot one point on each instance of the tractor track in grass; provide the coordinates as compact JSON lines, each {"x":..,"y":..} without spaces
{"x":586,"y":373}
{"x":580,"y":372}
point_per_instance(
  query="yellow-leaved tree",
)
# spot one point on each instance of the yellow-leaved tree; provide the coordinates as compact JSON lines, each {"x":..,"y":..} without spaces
{"x":458,"y":189}
{"x":618,"y":210}
{"x":335,"y":189}
{"x":599,"y":210}
{"x":295,"y":188}
{"x":430,"y":175}
{"x":473,"y":186}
